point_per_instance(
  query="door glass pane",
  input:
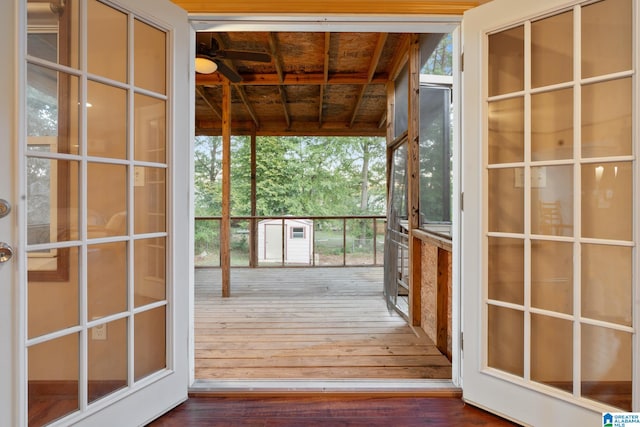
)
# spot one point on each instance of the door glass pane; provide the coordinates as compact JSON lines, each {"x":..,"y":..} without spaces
{"x":53,"y":379}
{"x":552,"y":200}
{"x":52,"y":110}
{"x":106,"y":121}
{"x":107,"y":199}
{"x":150,"y":200}
{"x":506,"y":339}
{"x":506,"y":61}
{"x":107,"y":358}
{"x":53,"y":31}
{"x":52,"y":306}
{"x":150,"y":342}
{"x":552,"y":43}
{"x":150,"y":272}
{"x":607,"y":200}
{"x":150,"y":129}
{"x":506,"y":270}
{"x":553,"y":368}
{"x":52,"y":195}
{"x":607,"y":366}
{"x":150,"y":57}
{"x":506,"y":200}
{"x":106,"y":279}
{"x":607,"y":283}
{"x":606,"y":37}
{"x":506,"y":131}
{"x":106,"y":41}
{"x":552,"y":125}
{"x":606,"y":118}
{"x":552,"y":276}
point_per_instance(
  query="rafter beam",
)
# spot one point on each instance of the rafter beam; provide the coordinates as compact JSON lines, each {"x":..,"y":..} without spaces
{"x":401,"y":58}
{"x":207,"y":100}
{"x":373,"y":65}
{"x":294,"y":79}
{"x":245,"y":100}
{"x":277,"y":60}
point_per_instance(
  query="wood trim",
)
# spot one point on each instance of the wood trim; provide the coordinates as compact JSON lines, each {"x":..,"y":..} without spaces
{"x":253,"y":223}
{"x":443,"y":325}
{"x":225,"y":223}
{"x":365,"y":7}
{"x":415,"y":308}
{"x":433,"y":239}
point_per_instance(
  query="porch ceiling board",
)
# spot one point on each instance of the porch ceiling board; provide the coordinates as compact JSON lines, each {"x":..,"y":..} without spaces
{"x":325,"y":84}
{"x":385,"y":7}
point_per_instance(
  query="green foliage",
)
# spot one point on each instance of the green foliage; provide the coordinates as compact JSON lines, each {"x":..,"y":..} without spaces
{"x":294,"y":176}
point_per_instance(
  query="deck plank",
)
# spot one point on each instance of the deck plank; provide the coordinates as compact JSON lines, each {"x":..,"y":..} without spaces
{"x":303,"y":323}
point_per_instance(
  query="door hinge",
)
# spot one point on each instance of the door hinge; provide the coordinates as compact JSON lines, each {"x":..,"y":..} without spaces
{"x":462,"y":62}
{"x":461,"y":341}
{"x":462,"y":201}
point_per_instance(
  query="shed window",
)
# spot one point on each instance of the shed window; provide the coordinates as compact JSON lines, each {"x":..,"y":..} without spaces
{"x":297,"y":232}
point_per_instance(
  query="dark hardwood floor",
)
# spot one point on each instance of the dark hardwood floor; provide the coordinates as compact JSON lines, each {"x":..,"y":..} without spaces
{"x":326,"y":411}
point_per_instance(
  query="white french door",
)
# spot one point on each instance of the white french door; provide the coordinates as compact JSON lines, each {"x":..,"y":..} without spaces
{"x":95,"y":162}
{"x":550,"y":224}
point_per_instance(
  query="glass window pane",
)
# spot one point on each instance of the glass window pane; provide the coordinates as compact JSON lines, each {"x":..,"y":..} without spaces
{"x":106,"y":279}
{"x":552,"y":125}
{"x":552,"y":276}
{"x":53,"y":390}
{"x":53,"y":31}
{"x":506,"y":61}
{"x":106,"y":41}
{"x":150,"y":271}
{"x":506,"y":200}
{"x":52,"y":305}
{"x":506,"y":131}
{"x":150,"y":342}
{"x":506,"y":270}
{"x":606,"y":37}
{"x":506,"y":339}
{"x":150,"y":199}
{"x":553,"y":368}
{"x":106,"y":200}
{"x":607,"y":283}
{"x":552,"y":200}
{"x":607,"y":200}
{"x":150,"y":129}
{"x":107,"y":358}
{"x":435,"y":154}
{"x":52,"y":200}
{"x":606,"y":118}
{"x":607,"y":371}
{"x":150,"y":57}
{"x":106,"y":121}
{"x":52,"y":110}
{"x":552,"y":43}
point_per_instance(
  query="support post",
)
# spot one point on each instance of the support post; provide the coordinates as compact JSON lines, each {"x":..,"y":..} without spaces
{"x":413,"y":173}
{"x":253,"y":223}
{"x":225,"y":223}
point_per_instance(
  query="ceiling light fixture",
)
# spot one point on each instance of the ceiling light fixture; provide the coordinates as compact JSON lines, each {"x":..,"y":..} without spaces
{"x":205,"y":65}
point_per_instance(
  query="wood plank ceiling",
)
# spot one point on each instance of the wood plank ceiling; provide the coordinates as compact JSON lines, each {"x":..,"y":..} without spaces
{"x":315,"y":84}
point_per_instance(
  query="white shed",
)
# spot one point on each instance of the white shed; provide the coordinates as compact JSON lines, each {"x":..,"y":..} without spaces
{"x":298,"y":241}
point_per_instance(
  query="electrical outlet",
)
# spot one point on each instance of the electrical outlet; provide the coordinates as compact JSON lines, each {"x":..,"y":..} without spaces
{"x":99,"y":332}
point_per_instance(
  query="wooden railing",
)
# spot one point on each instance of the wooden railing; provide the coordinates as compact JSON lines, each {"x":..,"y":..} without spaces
{"x":304,"y":241}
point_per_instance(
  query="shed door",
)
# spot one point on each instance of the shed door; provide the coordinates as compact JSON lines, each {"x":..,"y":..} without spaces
{"x":273,"y":242}
{"x":96,"y":168}
{"x":550,"y":279}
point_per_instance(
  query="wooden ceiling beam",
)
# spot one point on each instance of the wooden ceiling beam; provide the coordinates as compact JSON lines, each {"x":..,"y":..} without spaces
{"x":204,"y":127}
{"x":215,"y":79}
{"x":327,"y":48}
{"x":207,"y":100}
{"x":247,"y":104}
{"x":373,"y":66}
{"x":277,"y":60}
{"x":401,"y":58}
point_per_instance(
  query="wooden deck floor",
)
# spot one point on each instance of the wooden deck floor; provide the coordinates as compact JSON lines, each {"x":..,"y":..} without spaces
{"x":299,"y":323}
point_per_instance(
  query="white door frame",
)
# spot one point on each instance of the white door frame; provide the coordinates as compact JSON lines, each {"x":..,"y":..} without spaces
{"x":527,"y":403}
{"x":9,"y":46}
{"x":152,"y":396}
{"x":358,"y":23}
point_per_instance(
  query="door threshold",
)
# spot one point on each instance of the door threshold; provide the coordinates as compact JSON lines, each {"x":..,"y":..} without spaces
{"x":414,"y":388}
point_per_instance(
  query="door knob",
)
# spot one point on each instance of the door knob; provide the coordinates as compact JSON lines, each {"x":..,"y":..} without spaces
{"x":5,"y":208}
{"x":6,"y":252}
